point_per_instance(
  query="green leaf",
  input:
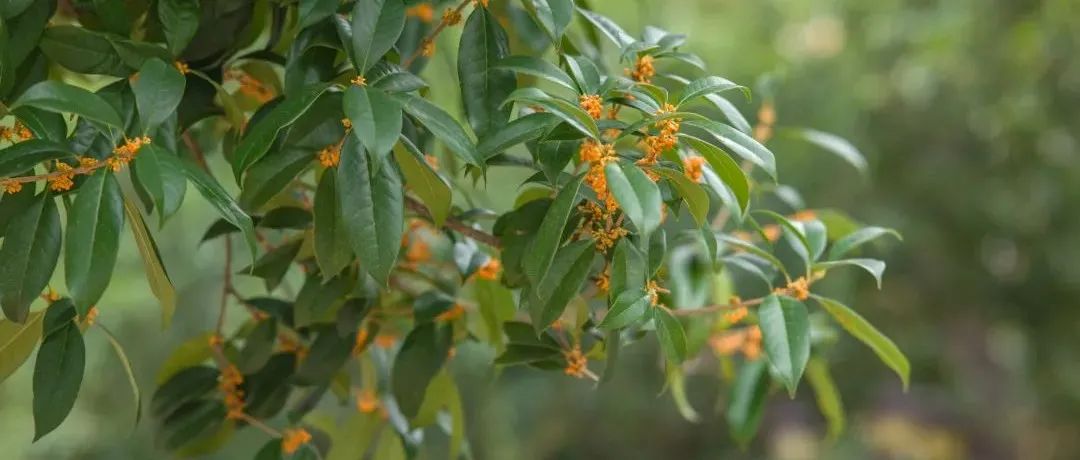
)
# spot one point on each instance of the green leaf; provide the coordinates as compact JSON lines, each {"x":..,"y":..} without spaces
{"x":12,"y":8}
{"x":389,"y":447}
{"x":17,"y":342}
{"x":223,"y":202}
{"x":608,"y":27}
{"x":793,"y":228}
{"x":670,"y":333}
{"x":274,"y":264}
{"x":161,"y":175}
{"x":258,"y":138}
{"x":190,"y":353}
{"x":676,"y":380}
{"x":874,"y":267}
{"x":352,"y":438}
{"x":376,"y":25}
{"x":421,"y":357}
{"x":628,"y":307}
{"x":746,"y":401}
{"x":549,"y":234}
{"x":44,"y":124}
{"x":707,"y":85}
{"x":785,"y":330}
{"x":93,"y":238}
{"x":158,"y":92}
{"x":30,"y":250}
{"x":483,"y":86}
{"x":637,"y":195}
{"x":697,"y":201}
{"x":314,"y":11}
{"x":523,"y":353}
{"x":376,"y":118}
{"x":628,"y":268}
{"x":568,"y":272}
{"x":555,"y":16}
{"x":534,"y":66}
{"x":567,"y":111}
{"x":60,"y":97}
{"x":751,"y":248}
{"x":740,"y":144}
{"x":442,"y":126}
{"x":332,"y":249}
{"x":329,"y":352}
{"x":858,"y":238}
{"x":24,"y":156}
{"x":427,"y":184}
{"x":160,"y":284}
{"x":861,"y":329}
{"x":833,"y":144}
{"x":258,"y":346}
{"x":58,"y":373}
{"x":179,"y":22}
{"x":520,"y":130}
{"x":827,"y":396}
{"x":84,"y":51}
{"x":372,"y":206}
{"x":726,"y":167}
{"x":128,"y":371}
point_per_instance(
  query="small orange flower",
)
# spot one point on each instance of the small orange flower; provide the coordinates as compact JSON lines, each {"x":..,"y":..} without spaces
{"x":427,"y":48}
{"x":738,"y":311}
{"x":63,"y":180}
{"x":346,"y":123}
{"x":432,"y":161}
{"x":423,"y":11}
{"x":643,"y":69}
{"x":771,"y":232}
{"x":653,"y":289}
{"x":88,"y":162}
{"x":490,"y":270}
{"x":182,"y":67}
{"x":799,"y":289}
{"x":483,"y":3}
{"x":693,"y":167}
{"x":805,"y":215}
{"x":591,"y":104}
{"x":418,"y":252}
{"x":292,"y":439}
{"x":451,"y":17}
{"x":451,"y":314}
{"x":366,"y":401}
{"x":51,"y":295}
{"x":359,"y":81}
{"x":91,"y":316}
{"x":603,"y":281}
{"x":576,"y":363}
{"x":385,"y":340}
{"x":330,"y":156}
{"x":23,"y":132}
{"x":361,"y":341}
{"x":11,"y":186}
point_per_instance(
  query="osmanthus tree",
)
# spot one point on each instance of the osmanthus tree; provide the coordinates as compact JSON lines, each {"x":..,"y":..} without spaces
{"x":653,"y":210}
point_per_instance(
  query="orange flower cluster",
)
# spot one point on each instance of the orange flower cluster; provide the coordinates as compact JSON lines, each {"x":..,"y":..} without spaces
{"x":576,"y":363}
{"x":738,"y":311}
{"x":288,"y":345}
{"x":799,"y":289}
{"x":385,"y":340}
{"x":653,"y":289}
{"x":666,"y":139}
{"x":746,"y":340}
{"x":427,"y":48}
{"x":292,"y":439}
{"x":602,"y":226}
{"x":643,"y":69}
{"x":250,"y":87}
{"x":422,"y":11}
{"x":347,"y":124}
{"x":805,"y":215}
{"x":366,"y":401}
{"x":63,"y":179}
{"x":432,"y":161}
{"x":490,"y":270}
{"x":229,"y":385}
{"x":598,"y":155}
{"x":10,"y":186}
{"x":603,"y":280}
{"x":455,"y":312}
{"x":91,"y":316}
{"x":17,"y":132}
{"x":693,"y":166}
{"x":50,"y":296}
{"x":451,"y":17}
{"x":182,"y":67}
{"x":330,"y":156}
{"x":359,"y":80}
{"x":123,"y":154}
{"x":591,"y":104}
{"x":763,"y":131}
{"x":361,"y":341}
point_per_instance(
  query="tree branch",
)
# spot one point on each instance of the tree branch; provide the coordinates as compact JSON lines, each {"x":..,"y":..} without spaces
{"x":453,"y":224}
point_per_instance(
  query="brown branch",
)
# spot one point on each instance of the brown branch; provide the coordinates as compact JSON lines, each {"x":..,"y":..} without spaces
{"x":227,"y":287}
{"x":433,"y":35}
{"x":453,"y":224}
{"x":195,"y":150}
{"x":716,"y":308}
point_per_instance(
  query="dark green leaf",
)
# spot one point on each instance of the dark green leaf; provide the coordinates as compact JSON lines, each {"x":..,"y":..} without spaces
{"x":483,"y":86}
{"x":273,"y":265}
{"x":223,"y":202}
{"x":520,"y":130}
{"x":313,"y":11}
{"x":158,"y":92}
{"x":637,"y":195}
{"x":31,"y":245}
{"x":697,"y":201}
{"x":161,"y":175}
{"x":427,"y":184}
{"x":627,"y":308}
{"x":628,"y":268}
{"x":740,"y":144}
{"x":372,"y":205}
{"x":376,"y":118}
{"x":421,"y":357}
{"x":670,"y":333}
{"x":549,"y":234}
{"x":24,"y":156}
{"x":259,"y":137}
{"x":332,"y":250}
{"x":58,"y":374}
{"x":376,"y":25}
{"x":179,"y":21}
{"x":60,"y":97}
{"x":785,"y":330}
{"x":608,"y":27}
{"x":567,"y":111}
{"x":258,"y":346}
{"x":861,"y":329}
{"x":521,"y":353}
{"x":568,"y":271}
{"x":442,"y":126}
{"x":329,"y":352}
{"x":534,"y":66}
{"x":747,"y":399}
{"x":93,"y":238}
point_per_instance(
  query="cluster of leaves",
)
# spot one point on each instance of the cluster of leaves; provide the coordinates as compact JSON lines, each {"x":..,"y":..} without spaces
{"x":319,"y":109}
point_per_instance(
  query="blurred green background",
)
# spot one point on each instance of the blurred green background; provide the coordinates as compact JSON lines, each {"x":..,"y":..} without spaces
{"x":968,"y":111}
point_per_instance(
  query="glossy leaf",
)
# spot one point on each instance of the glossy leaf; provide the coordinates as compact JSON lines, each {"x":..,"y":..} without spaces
{"x":161,"y":175}
{"x":740,"y":144}
{"x":627,"y":308}
{"x":24,"y":156}
{"x":637,"y":195}
{"x":874,"y":267}
{"x":707,"y":85}
{"x":567,"y":274}
{"x":549,"y":234}
{"x":861,"y":329}
{"x":372,"y":206}
{"x":427,"y":184}
{"x":725,"y":167}
{"x":376,"y":118}
{"x":858,"y":238}
{"x":332,"y":251}
{"x":483,"y":86}
{"x":747,"y":400}
{"x":565,"y":110}
{"x":93,"y":238}
{"x":179,"y":21}
{"x":259,"y":137}
{"x":442,"y":126}
{"x":60,"y":97}
{"x":697,"y":201}
{"x":17,"y":342}
{"x":158,"y":92}
{"x":520,"y":130}
{"x":608,"y":27}
{"x":536,"y":67}
{"x":58,"y":374}
{"x":785,"y":331}
{"x":313,"y":11}
{"x":421,"y":357}
{"x":833,"y":144}
{"x":30,"y":250}
{"x":376,"y":25}
{"x":670,"y":333}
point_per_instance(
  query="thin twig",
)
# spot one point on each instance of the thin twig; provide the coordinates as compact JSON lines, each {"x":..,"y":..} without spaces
{"x":454,"y":224}
{"x":716,"y":308}
{"x":432,"y":36}
{"x":227,"y":288}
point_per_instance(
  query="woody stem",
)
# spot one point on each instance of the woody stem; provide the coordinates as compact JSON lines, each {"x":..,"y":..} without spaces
{"x":433,"y":35}
{"x":454,"y":224}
